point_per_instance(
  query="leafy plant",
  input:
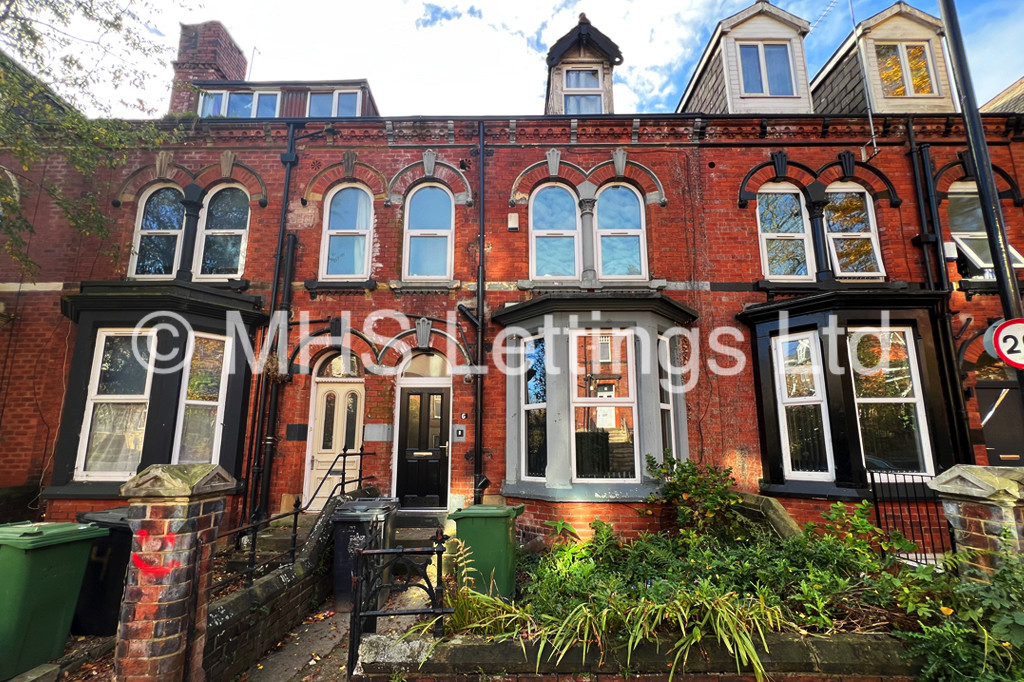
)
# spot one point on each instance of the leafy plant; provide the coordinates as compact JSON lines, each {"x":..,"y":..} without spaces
{"x":702,"y":495}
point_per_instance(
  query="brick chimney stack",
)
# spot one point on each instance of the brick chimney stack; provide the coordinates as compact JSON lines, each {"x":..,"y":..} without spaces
{"x":206,"y":52}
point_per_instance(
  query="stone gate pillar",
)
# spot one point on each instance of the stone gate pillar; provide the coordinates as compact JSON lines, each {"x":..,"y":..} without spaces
{"x":174,"y":511}
{"x":985,"y":507}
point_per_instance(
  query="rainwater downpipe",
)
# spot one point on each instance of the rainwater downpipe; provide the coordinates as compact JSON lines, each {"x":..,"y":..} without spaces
{"x":927,"y":234}
{"x":260,"y":485}
{"x":270,"y":439}
{"x":933,"y":208}
{"x":480,"y":482}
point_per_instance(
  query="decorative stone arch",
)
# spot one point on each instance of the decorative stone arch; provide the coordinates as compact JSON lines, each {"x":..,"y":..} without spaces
{"x":230,"y":169}
{"x":962,"y":170}
{"x":341,"y":337}
{"x":778,"y":169}
{"x":621,"y":169}
{"x":164,"y":170}
{"x":432,"y":169}
{"x":349,"y":170}
{"x":439,"y":341}
{"x":848,"y":169}
{"x":553,"y":169}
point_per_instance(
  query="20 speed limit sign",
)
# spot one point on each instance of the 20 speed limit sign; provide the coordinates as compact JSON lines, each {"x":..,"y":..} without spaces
{"x":1009,"y":342}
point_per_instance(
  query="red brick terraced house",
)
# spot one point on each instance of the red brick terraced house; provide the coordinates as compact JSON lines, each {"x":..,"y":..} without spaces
{"x":700,"y":282}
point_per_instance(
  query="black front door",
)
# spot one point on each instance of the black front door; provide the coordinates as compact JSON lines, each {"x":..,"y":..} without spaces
{"x":1002,"y":421}
{"x":423,"y":425}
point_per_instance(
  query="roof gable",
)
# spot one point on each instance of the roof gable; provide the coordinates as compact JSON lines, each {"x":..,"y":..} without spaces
{"x":584,"y":34}
{"x":801,"y":26}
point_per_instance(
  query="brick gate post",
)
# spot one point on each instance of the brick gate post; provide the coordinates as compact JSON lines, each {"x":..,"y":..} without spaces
{"x":174,"y":511}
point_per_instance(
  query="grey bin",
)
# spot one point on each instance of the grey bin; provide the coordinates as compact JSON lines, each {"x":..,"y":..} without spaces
{"x":371,"y":519}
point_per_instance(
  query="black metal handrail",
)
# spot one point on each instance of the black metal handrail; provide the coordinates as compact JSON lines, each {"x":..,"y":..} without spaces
{"x":252,"y":529}
{"x":375,"y":576}
{"x":914,"y":510}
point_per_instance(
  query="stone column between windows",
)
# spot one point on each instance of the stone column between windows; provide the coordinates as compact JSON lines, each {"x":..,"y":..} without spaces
{"x":193,"y":203}
{"x":817,"y":200}
{"x":174,"y":512}
{"x":588,"y":199}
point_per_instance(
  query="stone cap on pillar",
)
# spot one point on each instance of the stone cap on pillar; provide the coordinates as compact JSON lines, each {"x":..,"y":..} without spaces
{"x":179,"y":480}
{"x":999,"y":485}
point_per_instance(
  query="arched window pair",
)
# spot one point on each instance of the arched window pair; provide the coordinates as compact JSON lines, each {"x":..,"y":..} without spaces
{"x":220,"y":240}
{"x":556,"y":234}
{"x":348,"y":234}
{"x":784,"y":231}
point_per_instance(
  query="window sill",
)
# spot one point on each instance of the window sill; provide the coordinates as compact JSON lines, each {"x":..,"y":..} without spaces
{"x":425,"y":287}
{"x":826,"y":490}
{"x":315,"y":287}
{"x":599,"y":285}
{"x":830,"y":285}
{"x":581,"y":492}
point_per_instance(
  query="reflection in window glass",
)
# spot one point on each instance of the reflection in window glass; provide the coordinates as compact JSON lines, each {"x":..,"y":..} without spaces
{"x":620,"y":231}
{"x":750,"y":66}
{"x":160,"y":230}
{"x":240,"y":105}
{"x":803,"y":425}
{"x":430,"y":208}
{"x":212,"y":102}
{"x":429,"y":223}
{"x":785,"y":236}
{"x":266,"y":105}
{"x":320,"y":104}
{"x":851,"y":234}
{"x":776,"y":61}
{"x":223,"y":232}
{"x":553,"y":225}
{"x":348,"y":104}
{"x":202,"y":401}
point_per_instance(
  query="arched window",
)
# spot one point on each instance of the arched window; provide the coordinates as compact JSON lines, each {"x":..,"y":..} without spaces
{"x":157,"y":242}
{"x":220,"y":243}
{"x":554,"y":234}
{"x":348,"y":222}
{"x":429,"y":224}
{"x":427,"y":365}
{"x":784,"y":233}
{"x":621,"y":242}
{"x":852,"y":233}
{"x":967,"y":227}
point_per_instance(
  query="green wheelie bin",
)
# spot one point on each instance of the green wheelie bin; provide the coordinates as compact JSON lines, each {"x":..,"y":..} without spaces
{"x":489,"y":533}
{"x":41,"y":569}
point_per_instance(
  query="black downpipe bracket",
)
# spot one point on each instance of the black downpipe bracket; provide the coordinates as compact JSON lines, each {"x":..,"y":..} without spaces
{"x":991,"y":211}
{"x":480,"y":482}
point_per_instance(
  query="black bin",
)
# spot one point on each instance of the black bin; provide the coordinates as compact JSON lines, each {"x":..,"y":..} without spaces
{"x":99,"y":602}
{"x":369,"y":518}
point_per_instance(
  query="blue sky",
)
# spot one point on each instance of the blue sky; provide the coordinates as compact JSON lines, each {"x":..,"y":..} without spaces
{"x":486,"y":57}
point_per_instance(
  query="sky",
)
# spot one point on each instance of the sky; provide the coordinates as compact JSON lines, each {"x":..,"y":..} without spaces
{"x":487,"y":57}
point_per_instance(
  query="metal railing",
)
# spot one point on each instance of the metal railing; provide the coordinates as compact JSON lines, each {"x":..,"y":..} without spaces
{"x":904,"y":503}
{"x":246,"y":538}
{"x":382,"y":572}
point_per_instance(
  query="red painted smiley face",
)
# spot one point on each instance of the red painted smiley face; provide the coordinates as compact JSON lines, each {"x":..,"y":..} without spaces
{"x":153,"y":568}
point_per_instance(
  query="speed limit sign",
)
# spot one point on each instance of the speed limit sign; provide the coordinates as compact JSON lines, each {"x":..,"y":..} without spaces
{"x":1009,"y":342}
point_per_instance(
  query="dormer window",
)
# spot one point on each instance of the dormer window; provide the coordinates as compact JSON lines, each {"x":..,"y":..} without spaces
{"x":239,"y":104}
{"x":583,"y":91}
{"x":905,"y":69}
{"x":333,"y":104}
{"x":766,"y":69}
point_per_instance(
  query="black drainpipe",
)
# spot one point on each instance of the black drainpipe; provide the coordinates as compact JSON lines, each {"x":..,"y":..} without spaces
{"x":932,"y":231}
{"x":926,"y":236}
{"x":262,"y":454}
{"x":480,"y":482}
{"x":270,"y":439}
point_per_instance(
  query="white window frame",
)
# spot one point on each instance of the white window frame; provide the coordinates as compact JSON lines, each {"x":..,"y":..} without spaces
{"x":764,"y":67}
{"x":666,"y":387}
{"x":528,"y":407}
{"x":908,"y":85}
{"x":334,"y":100}
{"x":599,"y":235}
{"x":201,"y":232}
{"x":783,"y":401}
{"x":987,"y":267}
{"x":629,"y":401}
{"x":918,"y":400}
{"x":225,"y":95}
{"x":570,"y":92}
{"x":575,"y":234}
{"x":327,"y":233}
{"x":805,"y":236}
{"x":80,"y":473}
{"x":183,"y":401}
{"x":137,"y":239}
{"x":871,"y":234}
{"x":449,"y":234}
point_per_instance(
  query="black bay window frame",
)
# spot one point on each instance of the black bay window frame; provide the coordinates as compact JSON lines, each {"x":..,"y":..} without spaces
{"x":919,"y":310}
{"x":122,"y":305}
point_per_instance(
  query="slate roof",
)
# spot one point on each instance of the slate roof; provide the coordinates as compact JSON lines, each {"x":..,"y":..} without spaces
{"x":586,"y":34}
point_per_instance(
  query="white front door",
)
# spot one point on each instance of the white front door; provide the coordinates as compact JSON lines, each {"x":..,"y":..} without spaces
{"x":337,"y":430}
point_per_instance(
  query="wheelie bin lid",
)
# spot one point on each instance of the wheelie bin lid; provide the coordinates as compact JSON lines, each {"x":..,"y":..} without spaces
{"x":107,"y":518}
{"x":27,"y":535}
{"x":487,"y":511}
